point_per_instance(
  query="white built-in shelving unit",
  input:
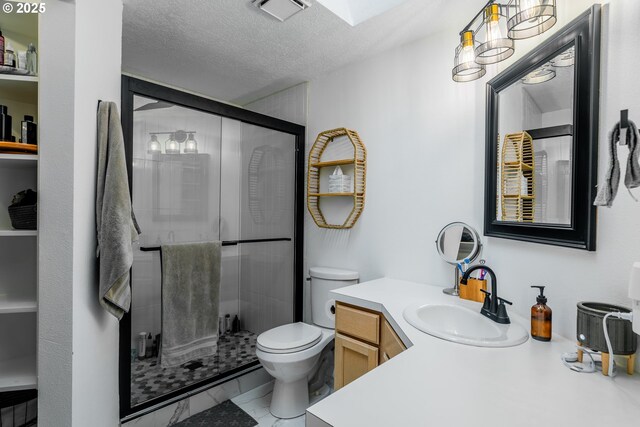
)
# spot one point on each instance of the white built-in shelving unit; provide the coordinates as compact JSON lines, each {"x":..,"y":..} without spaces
{"x":18,"y":248}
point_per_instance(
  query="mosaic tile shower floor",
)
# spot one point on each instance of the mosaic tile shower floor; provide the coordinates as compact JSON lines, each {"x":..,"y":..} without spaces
{"x":149,"y":380}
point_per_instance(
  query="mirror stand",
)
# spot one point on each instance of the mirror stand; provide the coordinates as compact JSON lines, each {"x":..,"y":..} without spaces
{"x":455,"y":291}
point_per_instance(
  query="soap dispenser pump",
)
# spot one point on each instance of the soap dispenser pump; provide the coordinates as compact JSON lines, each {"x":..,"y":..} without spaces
{"x":541,"y":318}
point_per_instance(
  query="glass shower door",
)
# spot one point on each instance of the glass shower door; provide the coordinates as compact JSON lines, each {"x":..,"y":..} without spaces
{"x":176,"y":199}
{"x":199,"y":177}
{"x":267,"y":211}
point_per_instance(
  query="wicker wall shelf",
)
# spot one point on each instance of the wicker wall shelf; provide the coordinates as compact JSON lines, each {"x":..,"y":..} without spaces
{"x":517,"y":187}
{"x":359,"y":162}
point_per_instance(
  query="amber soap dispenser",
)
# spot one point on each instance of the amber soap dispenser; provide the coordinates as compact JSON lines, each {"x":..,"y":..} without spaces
{"x":541,"y":318}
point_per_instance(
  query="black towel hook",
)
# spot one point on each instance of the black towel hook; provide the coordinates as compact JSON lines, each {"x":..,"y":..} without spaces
{"x":624,"y":119}
{"x":623,"y":124}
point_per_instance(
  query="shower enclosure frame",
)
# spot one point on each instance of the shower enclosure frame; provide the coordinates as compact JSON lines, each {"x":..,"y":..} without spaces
{"x":132,"y":86}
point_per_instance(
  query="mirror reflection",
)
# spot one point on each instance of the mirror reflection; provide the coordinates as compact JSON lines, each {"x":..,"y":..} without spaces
{"x":535,"y":144}
{"x":457,"y":242}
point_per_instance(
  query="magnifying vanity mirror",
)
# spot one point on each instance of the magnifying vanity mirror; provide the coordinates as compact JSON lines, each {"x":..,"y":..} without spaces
{"x":541,"y":141}
{"x":456,"y":243}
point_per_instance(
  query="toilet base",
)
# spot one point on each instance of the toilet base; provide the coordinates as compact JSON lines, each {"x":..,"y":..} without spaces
{"x":290,"y":400}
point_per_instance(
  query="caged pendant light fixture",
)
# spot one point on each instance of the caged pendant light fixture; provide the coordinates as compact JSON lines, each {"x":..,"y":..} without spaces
{"x":492,"y":31}
{"x":540,"y":75}
{"x":172,"y":144}
{"x":466,"y":68}
{"x":529,"y":18}
{"x":497,"y":46}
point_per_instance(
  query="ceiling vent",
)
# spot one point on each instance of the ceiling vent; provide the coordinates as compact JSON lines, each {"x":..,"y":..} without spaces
{"x":281,"y":9}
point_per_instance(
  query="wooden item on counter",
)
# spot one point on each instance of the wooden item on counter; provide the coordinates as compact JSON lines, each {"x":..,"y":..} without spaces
{"x":631,"y":363}
{"x":624,"y":342}
{"x":359,"y":162}
{"x":472,"y":290}
{"x":17,"y":148}
{"x":606,"y":359}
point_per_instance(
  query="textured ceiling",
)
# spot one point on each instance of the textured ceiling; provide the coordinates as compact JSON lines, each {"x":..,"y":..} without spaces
{"x":555,"y":94}
{"x":230,"y":50}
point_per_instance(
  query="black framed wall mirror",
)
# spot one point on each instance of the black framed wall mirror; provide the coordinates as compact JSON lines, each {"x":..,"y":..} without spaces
{"x":541,"y":141}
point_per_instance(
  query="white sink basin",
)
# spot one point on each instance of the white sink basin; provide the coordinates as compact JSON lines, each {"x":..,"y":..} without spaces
{"x":462,"y":325}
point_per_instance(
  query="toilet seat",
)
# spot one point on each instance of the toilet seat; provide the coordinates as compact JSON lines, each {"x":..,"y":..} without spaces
{"x":290,"y":338}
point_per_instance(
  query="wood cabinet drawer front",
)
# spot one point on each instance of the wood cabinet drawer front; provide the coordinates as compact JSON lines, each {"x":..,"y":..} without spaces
{"x":357,"y":323}
{"x":390,"y":344}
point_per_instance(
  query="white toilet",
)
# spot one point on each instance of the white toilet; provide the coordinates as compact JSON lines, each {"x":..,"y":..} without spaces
{"x":290,"y":353}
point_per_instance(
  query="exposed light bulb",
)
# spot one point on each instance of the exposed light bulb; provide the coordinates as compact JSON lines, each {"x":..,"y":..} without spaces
{"x":493,"y":31}
{"x":191,"y":146}
{"x":172,"y":146}
{"x":467,"y":54}
{"x":531,"y":8}
{"x":528,"y":4}
{"x":153,"y":146}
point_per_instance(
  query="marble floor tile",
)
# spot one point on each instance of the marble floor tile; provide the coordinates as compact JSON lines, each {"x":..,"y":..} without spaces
{"x":256,"y":403}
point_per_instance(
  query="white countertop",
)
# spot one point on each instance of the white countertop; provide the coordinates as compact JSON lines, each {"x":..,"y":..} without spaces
{"x":437,"y":382}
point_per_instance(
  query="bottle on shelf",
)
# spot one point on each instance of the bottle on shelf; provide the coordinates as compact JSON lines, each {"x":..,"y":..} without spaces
{"x":5,"y":124}
{"x":1,"y":48}
{"x":29,"y":131}
{"x":142,"y":345}
{"x":9,"y":56}
{"x":235,"y":325}
{"x":32,"y":60}
{"x":227,"y":323}
{"x":21,"y":57}
{"x":149,"y":345}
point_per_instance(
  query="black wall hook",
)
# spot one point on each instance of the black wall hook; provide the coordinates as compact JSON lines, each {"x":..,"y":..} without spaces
{"x":624,"y":124}
{"x":624,"y":119}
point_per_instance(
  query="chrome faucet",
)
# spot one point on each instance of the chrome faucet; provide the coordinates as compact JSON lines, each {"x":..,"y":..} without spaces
{"x":494,"y":307}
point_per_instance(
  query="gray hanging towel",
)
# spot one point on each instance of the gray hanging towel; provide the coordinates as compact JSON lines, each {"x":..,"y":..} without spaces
{"x":608,"y":190}
{"x":190,"y":299}
{"x":115,"y":224}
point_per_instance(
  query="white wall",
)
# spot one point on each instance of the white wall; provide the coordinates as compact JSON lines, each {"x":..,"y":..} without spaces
{"x":55,"y":261}
{"x":289,"y":104}
{"x":80,"y":57}
{"x":98,"y":45}
{"x":425,"y":141}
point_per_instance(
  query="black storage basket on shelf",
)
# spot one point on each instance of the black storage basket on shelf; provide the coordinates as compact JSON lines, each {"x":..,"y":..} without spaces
{"x":19,"y":408}
{"x":24,"y":217}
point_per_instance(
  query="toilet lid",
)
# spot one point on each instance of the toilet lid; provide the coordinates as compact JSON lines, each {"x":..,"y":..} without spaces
{"x":289,"y":338}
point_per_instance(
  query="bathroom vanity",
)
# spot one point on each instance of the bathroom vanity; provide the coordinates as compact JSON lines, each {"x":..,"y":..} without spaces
{"x":364,"y":339}
{"x":437,"y":382}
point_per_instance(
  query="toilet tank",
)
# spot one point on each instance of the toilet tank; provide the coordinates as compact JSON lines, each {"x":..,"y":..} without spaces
{"x":324,"y":280}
